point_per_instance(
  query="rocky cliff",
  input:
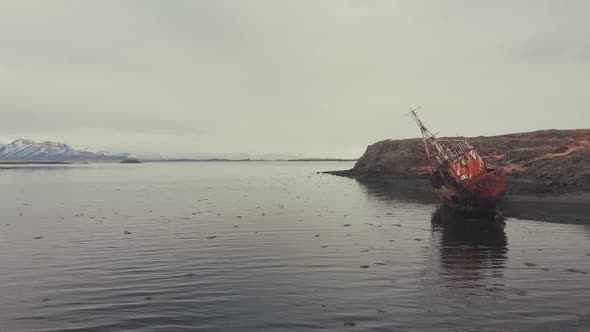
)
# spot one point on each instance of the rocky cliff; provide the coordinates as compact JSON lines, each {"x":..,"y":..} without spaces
{"x":547,"y":161}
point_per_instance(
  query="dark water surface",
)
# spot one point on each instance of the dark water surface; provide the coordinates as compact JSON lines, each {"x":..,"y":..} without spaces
{"x":270,"y":247}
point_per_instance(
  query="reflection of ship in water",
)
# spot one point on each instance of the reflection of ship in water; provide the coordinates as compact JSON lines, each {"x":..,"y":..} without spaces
{"x":472,"y":248}
{"x":466,"y":251}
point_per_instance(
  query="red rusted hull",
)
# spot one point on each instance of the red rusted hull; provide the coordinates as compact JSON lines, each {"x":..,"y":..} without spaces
{"x":478,"y":195}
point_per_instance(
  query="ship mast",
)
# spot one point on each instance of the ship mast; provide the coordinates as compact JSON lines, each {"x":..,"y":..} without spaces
{"x":427,"y":136}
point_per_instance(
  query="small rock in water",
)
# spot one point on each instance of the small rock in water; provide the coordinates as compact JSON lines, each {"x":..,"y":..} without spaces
{"x":397,"y":225}
{"x":46,"y":299}
{"x":127,"y":232}
{"x":238,"y":217}
{"x":149,"y":298}
{"x":346,"y":225}
{"x":576,"y":271}
{"x":530,"y":264}
{"x":190,"y":275}
{"x":350,"y":324}
{"x":417,"y":239}
{"x":211,"y":237}
{"x":324,"y":246}
{"x":521,"y":292}
{"x":38,"y":237}
{"x":365,"y":266}
{"x":317,"y":235}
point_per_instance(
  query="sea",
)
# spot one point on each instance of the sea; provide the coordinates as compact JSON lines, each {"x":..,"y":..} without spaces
{"x":272,"y":246}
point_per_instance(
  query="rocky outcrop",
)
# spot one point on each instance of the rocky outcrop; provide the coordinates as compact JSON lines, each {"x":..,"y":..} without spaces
{"x":130,"y":161}
{"x":552,"y":161}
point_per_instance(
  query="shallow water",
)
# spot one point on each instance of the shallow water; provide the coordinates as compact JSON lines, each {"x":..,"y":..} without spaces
{"x":270,"y":247}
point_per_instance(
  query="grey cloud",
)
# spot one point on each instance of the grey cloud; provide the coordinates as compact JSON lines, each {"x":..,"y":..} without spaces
{"x":314,"y":78}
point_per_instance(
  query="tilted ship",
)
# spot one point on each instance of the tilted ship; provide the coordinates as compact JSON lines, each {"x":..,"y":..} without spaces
{"x":460,"y":176}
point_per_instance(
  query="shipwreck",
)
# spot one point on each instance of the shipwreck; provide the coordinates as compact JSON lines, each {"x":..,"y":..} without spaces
{"x":460,"y":176}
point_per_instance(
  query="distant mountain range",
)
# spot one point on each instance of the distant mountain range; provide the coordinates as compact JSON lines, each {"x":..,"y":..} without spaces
{"x":24,"y":149}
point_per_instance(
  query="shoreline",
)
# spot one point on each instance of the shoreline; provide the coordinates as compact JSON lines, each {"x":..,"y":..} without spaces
{"x":517,"y":185}
{"x":571,"y":207}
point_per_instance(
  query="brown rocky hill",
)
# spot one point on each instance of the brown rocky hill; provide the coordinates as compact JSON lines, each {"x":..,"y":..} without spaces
{"x":546,"y":161}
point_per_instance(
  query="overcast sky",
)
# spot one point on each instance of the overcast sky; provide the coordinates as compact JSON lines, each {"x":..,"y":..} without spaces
{"x":304,"y":78}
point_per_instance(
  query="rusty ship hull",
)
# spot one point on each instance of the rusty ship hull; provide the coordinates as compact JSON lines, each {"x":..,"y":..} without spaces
{"x":460,"y":176}
{"x":481,"y":195}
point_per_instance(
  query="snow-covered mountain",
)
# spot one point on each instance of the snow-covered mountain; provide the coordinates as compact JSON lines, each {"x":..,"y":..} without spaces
{"x":24,"y":149}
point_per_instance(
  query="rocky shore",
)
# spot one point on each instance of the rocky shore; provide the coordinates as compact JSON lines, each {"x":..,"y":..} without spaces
{"x":537,"y":163}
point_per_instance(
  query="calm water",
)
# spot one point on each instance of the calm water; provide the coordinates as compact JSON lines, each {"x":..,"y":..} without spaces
{"x":270,"y":247}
